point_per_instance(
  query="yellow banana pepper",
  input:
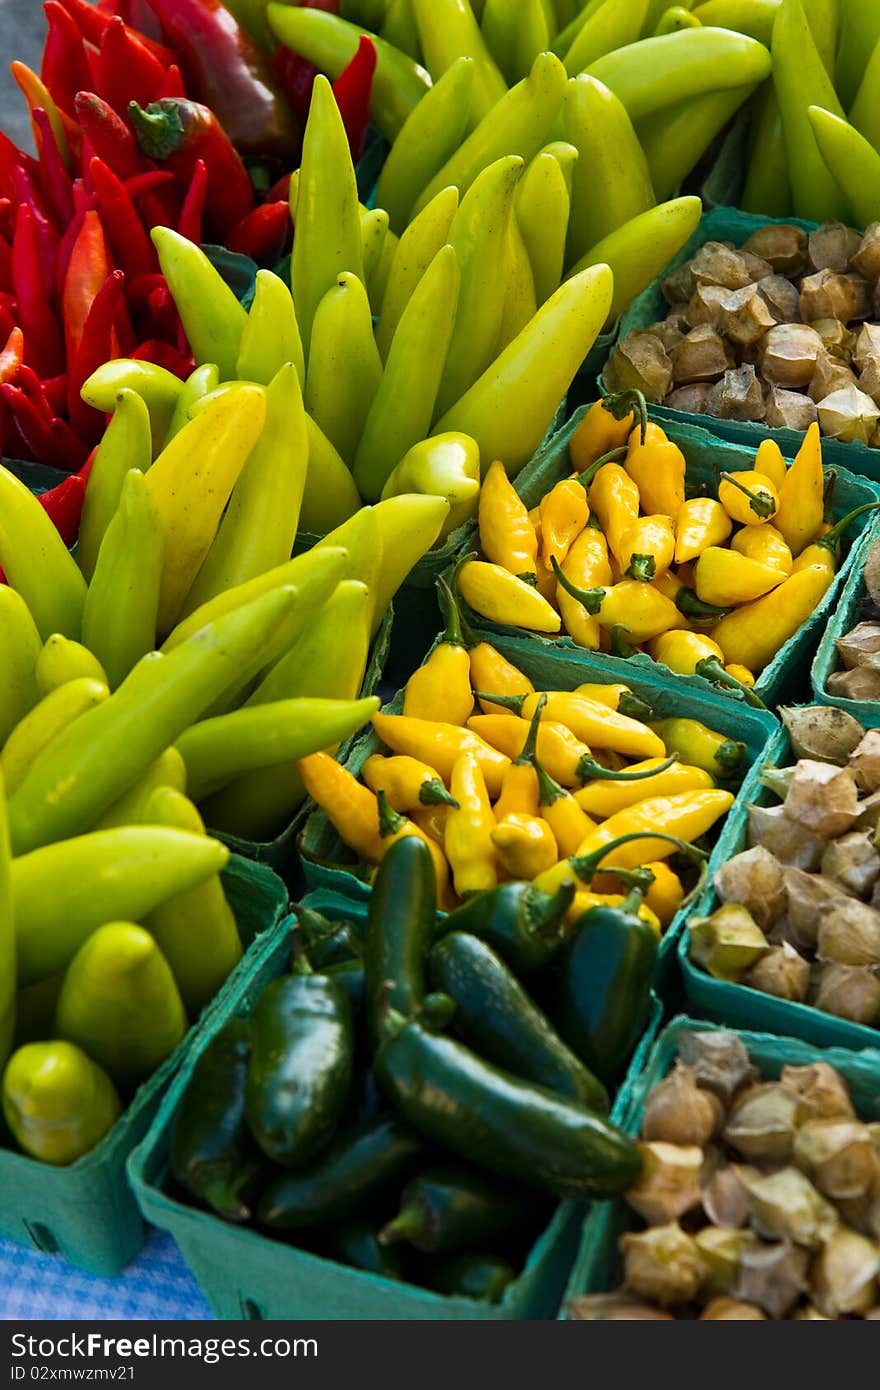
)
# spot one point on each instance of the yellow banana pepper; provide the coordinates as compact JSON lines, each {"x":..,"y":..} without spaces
{"x":755,"y":633}
{"x":695,"y":654}
{"x":525,"y":845}
{"x":648,"y":548}
{"x":569,"y":822}
{"x":492,"y":671}
{"x":351,"y":807}
{"x":468,"y":836}
{"x":603,"y":799}
{"x":701,"y":522}
{"x":657,"y":467}
{"x":727,"y":578}
{"x":558,"y":750}
{"x":607,"y":425}
{"x":614,"y":500}
{"x":802,"y":495}
{"x":507,"y":536}
{"x":439,"y":745}
{"x":617,"y":697}
{"x":748,"y":498}
{"x":586,"y":566}
{"x":409,"y":785}
{"x":441,"y":688}
{"x":594,"y":723}
{"x":519,"y":790}
{"x":766,"y":544}
{"x":639,"y":609}
{"x":564,"y":513}
{"x":497,"y":594}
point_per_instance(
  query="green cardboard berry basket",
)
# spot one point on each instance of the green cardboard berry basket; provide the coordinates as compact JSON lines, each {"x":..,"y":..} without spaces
{"x":737,"y":1005}
{"x":86,"y":1213}
{"x":329,"y":865}
{"x":729,"y":224}
{"x":707,"y":456}
{"x":846,"y":615}
{"x":245,"y":1274}
{"x":597,"y":1267}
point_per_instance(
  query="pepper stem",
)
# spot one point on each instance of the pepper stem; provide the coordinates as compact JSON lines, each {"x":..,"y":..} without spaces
{"x":433,"y":793}
{"x":589,"y":770}
{"x":549,"y":790}
{"x":690,"y":606}
{"x":526,"y":757}
{"x":408,"y":1223}
{"x":730,"y":755}
{"x":390,"y":821}
{"x":710,"y":669}
{"x":586,"y":866}
{"x":436,"y":1012}
{"x":159,"y":130}
{"x":590,"y":599}
{"x":761,"y":503}
{"x":514,"y":703}
{"x":830,"y":539}
{"x":620,"y":646}
{"x":630,"y":704}
{"x":550,"y":910}
{"x":642,"y":567}
{"x":638,"y":881}
{"x":629,"y":402}
{"x":830,"y":485}
{"x":589,"y":474}
{"x":452,"y":633}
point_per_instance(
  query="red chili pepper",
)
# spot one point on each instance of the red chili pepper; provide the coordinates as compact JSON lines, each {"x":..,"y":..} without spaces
{"x":294,"y":73}
{"x":263,"y":234}
{"x":36,"y":93}
{"x":162,"y":313}
{"x":98,"y":344}
{"x":43,"y":344}
{"x":227,"y":72}
{"x":280,"y":191}
{"x":127,"y":69}
{"x":87,"y":271}
{"x":352,"y":90}
{"x":54,"y":178}
{"x":138,"y":14}
{"x":11,"y":157}
{"x":190,"y":221}
{"x":140,"y":287}
{"x":164,"y":355}
{"x":86,"y":469}
{"x":156,"y":197}
{"x":173,"y":84}
{"x":54,"y":389}
{"x":5,"y":264}
{"x":12,"y":356}
{"x":26,"y":191}
{"x":92,"y":22}
{"x":177,"y":133}
{"x":54,"y":444}
{"x":111,"y":139}
{"x":64,"y":505}
{"x":132,"y":249}
{"x":28,"y":381}
{"x":64,"y":69}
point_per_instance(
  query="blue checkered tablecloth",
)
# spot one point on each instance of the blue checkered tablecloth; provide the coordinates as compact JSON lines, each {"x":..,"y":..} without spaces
{"x":157,"y":1285}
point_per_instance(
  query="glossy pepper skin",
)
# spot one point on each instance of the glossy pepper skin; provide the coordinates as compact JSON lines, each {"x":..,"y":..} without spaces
{"x":409,"y":785}
{"x":801,"y":496}
{"x":701,"y":522}
{"x":57,"y":1102}
{"x":607,"y":426}
{"x":177,"y":133}
{"x":506,"y":533}
{"x":523,"y":925}
{"x":497,"y":594}
{"x":614,"y":499}
{"x":449,"y":1208}
{"x":749,"y":497}
{"x":648,"y":548}
{"x":525,"y":845}
{"x":492,"y":671}
{"x":694,"y":654}
{"x":440,"y":744}
{"x":400,"y":927}
{"x":468,"y":840}
{"x":441,"y":688}
{"x":211,"y":1151}
{"x":7,"y":936}
{"x":586,"y":567}
{"x":727,"y":578}
{"x":765,"y":544}
{"x":657,"y":467}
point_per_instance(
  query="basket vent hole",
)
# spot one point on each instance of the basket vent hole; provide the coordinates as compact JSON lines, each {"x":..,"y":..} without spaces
{"x":42,"y":1237}
{"x":251,"y":1310}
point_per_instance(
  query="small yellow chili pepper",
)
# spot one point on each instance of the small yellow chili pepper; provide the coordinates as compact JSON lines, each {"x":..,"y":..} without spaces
{"x":394,"y":827}
{"x":439,"y":745}
{"x":586,"y":566}
{"x":802,"y":495}
{"x":770,"y":462}
{"x":558,"y":749}
{"x":468,"y":839}
{"x":765,"y":544}
{"x":749,"y":498}
{"x":603,"y":799}
{"x":584,"y":900}
{"x":740,"y":674}
{"x":432,"y":819}
{"x":607,"y":425}
{"x":701,"y":522}
{"x":824,"y":551}
{"x":519,"y":790}
{"x":700,"y":746}
{"x":726,"y":578}
{"x":525,"y":845}
{"x":441,"y":688}
{"x":497,"y":594}
{"x":351,"y":807}
{"x":565,"y":512}
{"x":695,"y":654}
{"x":641,"y":610}
{"x":614,"y":500}
{"x":492,"y":671}
{"x":666,"y":894}
{"x":617,"y":697}
{"x":409,"y":785}
{"x":648,"y":548}
{"x":657,"y":467}
{"x":506,"y":533}
{"x":594,"y":724}
{"x":569,"y":822}
{"x":545,"y":581}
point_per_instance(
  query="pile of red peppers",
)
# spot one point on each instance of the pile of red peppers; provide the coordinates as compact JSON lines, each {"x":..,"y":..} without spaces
{"x":145,"y":113}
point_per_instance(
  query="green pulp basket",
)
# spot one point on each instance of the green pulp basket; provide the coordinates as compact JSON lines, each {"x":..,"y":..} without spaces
{"x":738,"y":1005}
{"x":729,"y":224}
{"x":597,"y":1268}
{"x":707,"y":457}
{"x":86,"y":1213}
{"x":328,"y":864}
{"x":244,"y":1274}
{"x":846,"y":615}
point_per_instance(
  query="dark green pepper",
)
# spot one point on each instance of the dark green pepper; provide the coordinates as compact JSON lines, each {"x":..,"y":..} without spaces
{"x":357,"y":1244}
{"x":445,"y":1209}
{"x":302,"y":1049}
{"x":211,"y":1155}
{"x":349,"y":974}
{"x":483,"y":1277}
{"x":495,"y":1016}
{"x":523,"y":925}
{"x":401,"y":924}
{"x":495,"y":1120}
{"x":327,"y":943}
{"x":360,"y":1164}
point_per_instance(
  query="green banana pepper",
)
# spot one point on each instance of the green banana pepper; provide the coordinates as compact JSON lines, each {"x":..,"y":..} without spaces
{"x":58,"y":1103}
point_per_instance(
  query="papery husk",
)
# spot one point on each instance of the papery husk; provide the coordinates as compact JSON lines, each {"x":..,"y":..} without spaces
{"x":783,"y":837}
{"x":869,"y":382}
{"x":757,"y":267}
{"x":810,"y":1314}
{"x":690,"y":399}
{"x":781,"y":297}
{"x":861,"y":684}
{"x":867,"y":345}
{"x":837,"y":339}
{"x":721,"y":1249}
{"x":731,"y":1310}
{"x":849,"y":415}
{"x":863,"y":1213}
{"x":838,"y":1156}
{"x":613,"y":1307}
{"x":821,"y":1088}
{"x":640,"y":363}
{"x":662,"y":1264}
{"x":755,"y":879}
{"x":849,"y":934}
{"x":670,"y":331}
{"x":849,"y":991}
{"x":725,"y":1200}
{"x":866,"y":260}
{"x":789,"y":410}
{"x":808,"y":897}
{"x":706,"y":305}
{"x":858,"y":644}
{"x":717,"y":264}
{"x":831,"y":295}
{"x":773,"y":1277}
{"x":865,"y":757}
{"x":830,"y":375}
{"x":702,"y":355}
{"x":763,"y":1122}
{"x":871,"y":573}
{"x":669,"y":1183}
{"x":745,"y":316}
{"x":679,"y":284}
{"x":832,"y":246}
{"x":819,"y":731}
{"x":737,"y":396}
{"x":822,"y":798}
{"x":783,"y":246}
{"x":678,"y":1111}
{"x":782,"y":972}
{"x":727,"y":943}
{"x":854,"y":862}
{"x":786,"y":1206}
{"x":718,"y":1060}
{"x":789,"y":354}
{"x":844,"y":1274}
